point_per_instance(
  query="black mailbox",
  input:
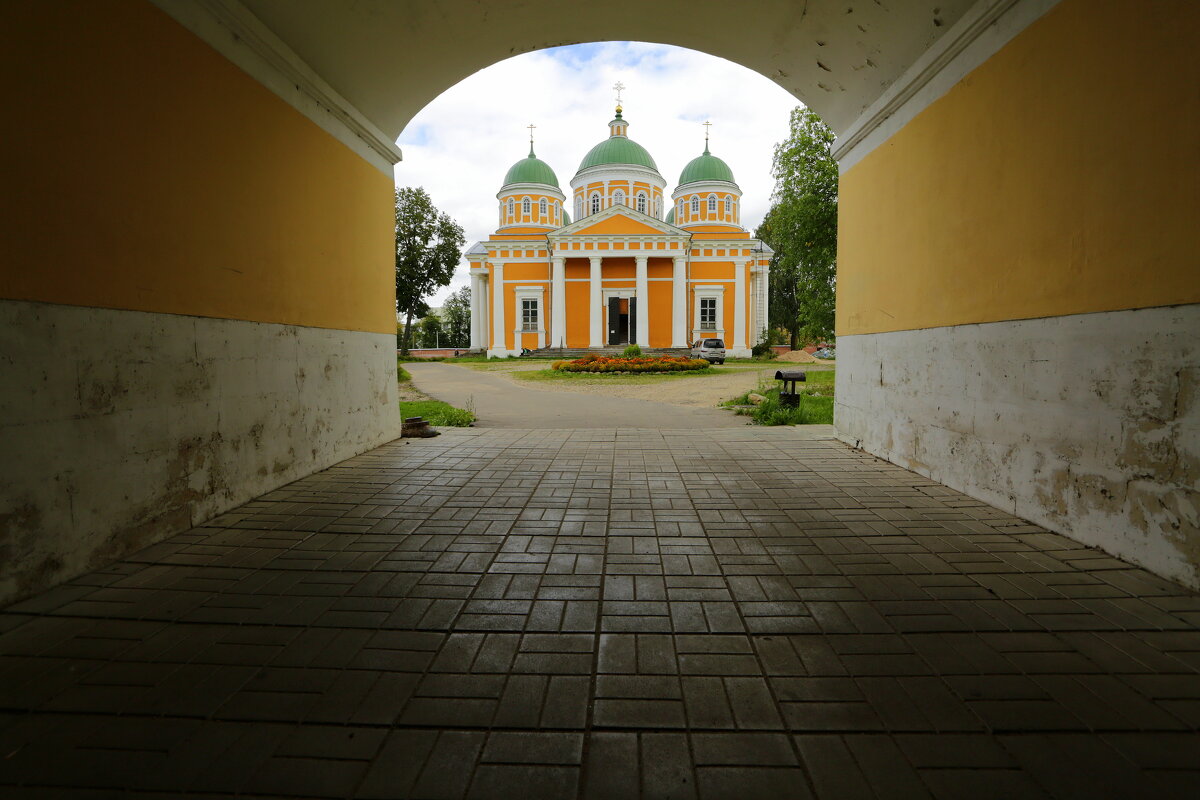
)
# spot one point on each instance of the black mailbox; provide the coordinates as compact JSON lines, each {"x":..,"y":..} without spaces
{"x":788,"y":396}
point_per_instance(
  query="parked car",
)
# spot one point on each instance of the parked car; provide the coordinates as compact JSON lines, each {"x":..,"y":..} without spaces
{"x":711,"y":350}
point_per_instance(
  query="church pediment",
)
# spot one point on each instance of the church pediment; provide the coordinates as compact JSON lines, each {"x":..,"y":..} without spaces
{"x":618,"y":221}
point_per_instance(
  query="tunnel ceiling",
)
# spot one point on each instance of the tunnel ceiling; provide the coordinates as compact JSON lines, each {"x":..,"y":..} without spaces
{"x":390,"y":59}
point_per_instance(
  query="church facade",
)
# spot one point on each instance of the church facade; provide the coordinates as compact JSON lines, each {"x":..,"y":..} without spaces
{"x":632,"y":264}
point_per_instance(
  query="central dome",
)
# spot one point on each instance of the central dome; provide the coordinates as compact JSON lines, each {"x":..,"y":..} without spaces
{"x":618,"y":150}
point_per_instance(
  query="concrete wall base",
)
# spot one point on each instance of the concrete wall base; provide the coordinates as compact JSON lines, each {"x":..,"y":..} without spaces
{"x":1087,"y":424}
{"x":123,"y":427}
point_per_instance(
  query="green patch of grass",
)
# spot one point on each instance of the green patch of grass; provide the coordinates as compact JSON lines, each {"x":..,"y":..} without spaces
{"x":816,"y":403}
{"x":609,"y":378}
{"x":437,"y":413}
{"x":401,"y":373}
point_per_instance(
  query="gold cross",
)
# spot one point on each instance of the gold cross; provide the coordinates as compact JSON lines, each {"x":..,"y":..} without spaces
{"x":531,"y":126}
{"x":707,"y":125}
{"x":620,"y":87}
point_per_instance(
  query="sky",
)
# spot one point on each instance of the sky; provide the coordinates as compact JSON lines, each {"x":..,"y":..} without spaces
{"x":460,"y":146}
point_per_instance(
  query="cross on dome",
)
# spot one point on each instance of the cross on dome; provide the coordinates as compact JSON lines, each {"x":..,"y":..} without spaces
{"x":707,"y":127}
{"x":619,"y":87}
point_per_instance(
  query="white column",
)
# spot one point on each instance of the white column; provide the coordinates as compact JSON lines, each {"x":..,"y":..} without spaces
{"x":643,"y":302}
{"x":739,"y":311}
{"x":596,"y":339}
{"x":558,"y":302}
{"x":499,"y":347}
{"x":765,"y":273}
{"x":476,"y":312}
{"x":679,"y":335}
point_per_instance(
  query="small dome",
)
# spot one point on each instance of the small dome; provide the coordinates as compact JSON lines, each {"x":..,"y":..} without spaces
{"x":618,"y":150}
{"x":670,"y":220}
{"x":566,"y":218}
{"x":531,"y":170}
{"x":706,"y":167}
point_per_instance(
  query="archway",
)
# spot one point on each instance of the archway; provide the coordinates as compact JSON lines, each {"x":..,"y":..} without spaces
{"x":240,"y":198}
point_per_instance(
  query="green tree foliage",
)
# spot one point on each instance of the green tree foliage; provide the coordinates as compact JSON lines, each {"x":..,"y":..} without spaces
{"x":802,"y":229}
{"x":430,"y":332}
{"x":428,"y":247}
{"x":456,"y":318}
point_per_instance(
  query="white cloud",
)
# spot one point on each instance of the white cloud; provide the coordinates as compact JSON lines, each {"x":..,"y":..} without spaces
{"x":460,"y":145}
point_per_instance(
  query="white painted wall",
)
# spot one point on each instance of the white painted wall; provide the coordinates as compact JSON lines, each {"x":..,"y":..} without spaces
{"x":1087,"y":424}
{"x":122,"y":427}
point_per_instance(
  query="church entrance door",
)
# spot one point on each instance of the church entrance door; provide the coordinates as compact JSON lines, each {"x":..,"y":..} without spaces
{"x":620,"y":315}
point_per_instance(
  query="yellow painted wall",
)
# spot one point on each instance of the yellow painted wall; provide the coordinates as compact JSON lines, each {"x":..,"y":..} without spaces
{"x":660,"y":314}
{"x":578,"y":317}
{"x":1059,"y":177}
{"x":144,"y":171}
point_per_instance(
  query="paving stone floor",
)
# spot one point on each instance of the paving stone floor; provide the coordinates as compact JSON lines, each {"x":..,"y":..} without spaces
{"x":500,"y":613}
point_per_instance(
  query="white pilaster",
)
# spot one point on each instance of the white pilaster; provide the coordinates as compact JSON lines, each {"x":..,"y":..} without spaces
{"x":596,"y":337}
{"x":499,"y":346}
{"x":643,"y":301}
{"x":679,"y":337}
{"x":476,"y":313}
{"x":558,"y":302}
{"x":739,"y":350}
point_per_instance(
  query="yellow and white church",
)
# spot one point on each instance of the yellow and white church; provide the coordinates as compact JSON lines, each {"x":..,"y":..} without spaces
{"x":621,"y":272}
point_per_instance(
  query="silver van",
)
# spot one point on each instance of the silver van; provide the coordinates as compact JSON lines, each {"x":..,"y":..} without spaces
{"x":712,"y":350}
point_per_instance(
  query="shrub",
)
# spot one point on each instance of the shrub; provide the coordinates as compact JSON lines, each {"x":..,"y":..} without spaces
{"x":633,"y":351}
{"x":604,"y":364}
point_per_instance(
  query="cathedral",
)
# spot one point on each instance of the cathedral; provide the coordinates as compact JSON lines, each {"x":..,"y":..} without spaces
{"x":618,"y":262}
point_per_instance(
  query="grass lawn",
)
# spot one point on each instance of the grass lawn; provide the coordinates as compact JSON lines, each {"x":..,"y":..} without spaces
{"x":816,"y":403}
{"x":610,"y":378}
{"x":436,"y":412}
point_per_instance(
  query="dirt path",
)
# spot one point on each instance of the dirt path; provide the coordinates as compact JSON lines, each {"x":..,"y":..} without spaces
{"x":500,"y":402}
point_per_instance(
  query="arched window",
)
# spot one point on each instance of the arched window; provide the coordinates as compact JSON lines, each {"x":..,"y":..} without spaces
{"x":511,"y":207}
{"x":728,"y":207}
{"x":542,"y":207}
{"x":595,"y":204}
{"x":679,"y":212}
{"x":695,"y":206}
{"x":618,"y":198}
{"x":578,"y":206}
{"x":641,"y":202}
{"x":712,"y":205}
{"x":658,"y":207}
{"x":525,"y":206}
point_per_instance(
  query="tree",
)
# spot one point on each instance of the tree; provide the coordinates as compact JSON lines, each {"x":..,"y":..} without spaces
{"x":428,"y":247}
{"x":456,"y":317}
{"x":801,"y":227}
{"x":430,"y":332}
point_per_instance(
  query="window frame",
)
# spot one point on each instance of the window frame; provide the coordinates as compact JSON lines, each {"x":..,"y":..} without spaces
{"x":530,"y":314}
{"x":708,"y":308}
{"x":712,"y":204}
{"x":526,"y":206}
{"x":595,"y":203}
{"x":543,"y":208}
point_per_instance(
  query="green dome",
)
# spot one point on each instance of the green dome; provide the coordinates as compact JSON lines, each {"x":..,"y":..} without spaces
{"x":706,"y":167}
{"x":531,"y":170}
{"x":671,"y":216}
{"x":566,"y":218}
{"x":618,"y":150}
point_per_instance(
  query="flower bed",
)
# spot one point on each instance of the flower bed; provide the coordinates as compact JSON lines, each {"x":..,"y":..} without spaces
{"x":654,"y":364}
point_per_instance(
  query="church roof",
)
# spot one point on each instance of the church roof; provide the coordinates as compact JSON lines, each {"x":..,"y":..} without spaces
{"x":706,"y":167}
{"x":671,"y":216}
{"x":531,"y":169}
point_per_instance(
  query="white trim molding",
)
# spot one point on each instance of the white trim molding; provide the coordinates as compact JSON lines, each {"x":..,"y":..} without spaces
{"x":978,"y":35}
{"x":234,"y":32}
{"x":537,"y":294}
